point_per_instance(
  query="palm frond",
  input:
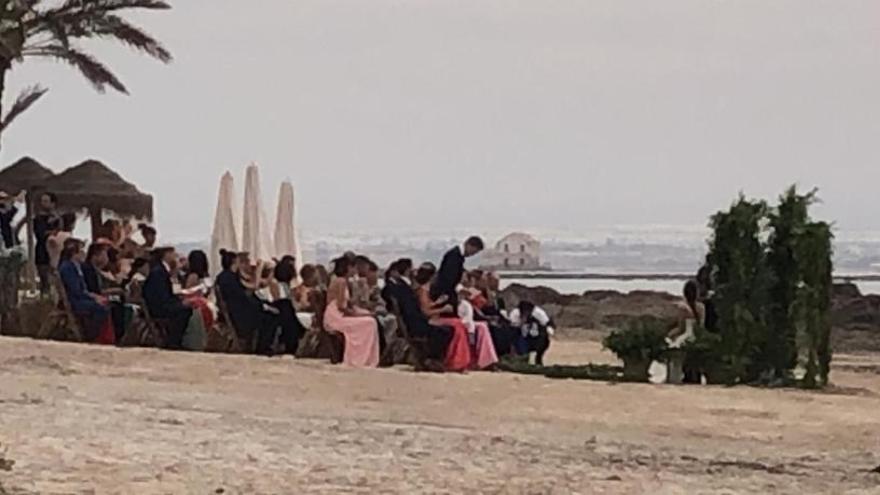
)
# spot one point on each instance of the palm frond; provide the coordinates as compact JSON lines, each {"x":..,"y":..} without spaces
{"x":94,"y":71}
{"x":24,"y":101}
{"x":131,"y":35}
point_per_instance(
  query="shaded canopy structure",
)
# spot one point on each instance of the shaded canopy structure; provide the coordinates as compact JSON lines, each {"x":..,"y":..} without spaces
{"x":30,"y":176}
{"x":24,"y":175}
{"x":93,"y":186}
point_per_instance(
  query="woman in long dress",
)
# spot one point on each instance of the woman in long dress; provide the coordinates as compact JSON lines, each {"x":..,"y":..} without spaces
{"x":357,"y":325}
{"x":693,"y":314}
{"x":441,"y":313}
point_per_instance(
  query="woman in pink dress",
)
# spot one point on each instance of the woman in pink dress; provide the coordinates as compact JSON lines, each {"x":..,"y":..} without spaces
{"x":357,"y":325}
{"x":440,"y":312}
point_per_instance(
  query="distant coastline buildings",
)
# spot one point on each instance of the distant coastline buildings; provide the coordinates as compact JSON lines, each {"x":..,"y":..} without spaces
{"x":515,"y":251}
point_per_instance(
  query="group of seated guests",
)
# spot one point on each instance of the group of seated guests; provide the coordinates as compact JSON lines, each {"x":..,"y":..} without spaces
{"x":454,"y":314}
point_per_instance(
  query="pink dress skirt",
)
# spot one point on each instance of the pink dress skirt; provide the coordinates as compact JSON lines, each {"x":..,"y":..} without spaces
{"x":361,"y":337}
{"x":484,"y":353}
{"x":458,"y":355}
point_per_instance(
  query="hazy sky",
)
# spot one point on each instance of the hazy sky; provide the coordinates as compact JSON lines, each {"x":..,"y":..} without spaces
{"x":483,"y":113}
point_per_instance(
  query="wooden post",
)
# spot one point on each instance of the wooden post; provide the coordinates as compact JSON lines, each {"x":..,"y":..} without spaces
{"x":95,"y":214}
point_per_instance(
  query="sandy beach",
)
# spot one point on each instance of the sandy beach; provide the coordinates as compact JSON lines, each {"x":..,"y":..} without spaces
{"x":85,"y":419}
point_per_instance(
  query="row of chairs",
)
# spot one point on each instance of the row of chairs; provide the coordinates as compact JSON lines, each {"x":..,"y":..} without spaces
{"x":64,"y":325}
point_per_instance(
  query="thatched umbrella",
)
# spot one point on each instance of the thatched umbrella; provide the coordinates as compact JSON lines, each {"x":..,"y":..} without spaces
{"x":30,"y":176}
{"x":23,"y":175}
{"x":93,"y":186}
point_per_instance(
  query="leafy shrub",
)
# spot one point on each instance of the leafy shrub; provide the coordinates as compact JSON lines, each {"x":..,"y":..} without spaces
{"x":642,"y":339}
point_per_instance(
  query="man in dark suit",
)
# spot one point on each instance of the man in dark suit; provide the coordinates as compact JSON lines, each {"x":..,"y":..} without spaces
{"x":398,"y":291}
{"x":452,"y":270}
{"x":160,"y":299}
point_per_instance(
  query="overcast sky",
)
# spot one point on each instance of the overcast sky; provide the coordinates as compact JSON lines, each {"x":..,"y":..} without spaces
{"x":482,"y":113}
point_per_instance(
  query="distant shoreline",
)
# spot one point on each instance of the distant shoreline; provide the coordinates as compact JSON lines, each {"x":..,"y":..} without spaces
{"x":646,"y":276}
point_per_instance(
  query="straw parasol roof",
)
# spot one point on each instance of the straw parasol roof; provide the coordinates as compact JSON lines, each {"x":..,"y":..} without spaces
{"x":22,"y":175}
{"x":93,"y":185}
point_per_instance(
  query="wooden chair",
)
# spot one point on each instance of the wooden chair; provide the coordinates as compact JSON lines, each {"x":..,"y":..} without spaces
{"x":319,"y":343}
{"x":418,"y":345}
{"x":62,"y":323}
{"x":224,"y":337}
{"x":156,"y":329}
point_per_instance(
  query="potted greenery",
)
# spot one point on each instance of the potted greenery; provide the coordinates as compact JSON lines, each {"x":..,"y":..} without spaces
{"x":642,"y":341}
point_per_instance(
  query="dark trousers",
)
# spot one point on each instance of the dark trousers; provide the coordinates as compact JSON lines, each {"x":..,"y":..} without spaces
{"x":117,"y":314}
{"x":43,"y":272}
{"x":438,"y":338}
{"x":291,"y":328}
{"x":539,"y":346}
{"x":178,"y":320}
{"x":504,"y":339}
{"x":267,"y":330}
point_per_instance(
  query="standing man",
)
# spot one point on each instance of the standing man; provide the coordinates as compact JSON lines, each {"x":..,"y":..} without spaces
{"x":452,"y":269}
{"x":8,"y":211}
{"x":161,"y":301}
{"x":46,"y":222}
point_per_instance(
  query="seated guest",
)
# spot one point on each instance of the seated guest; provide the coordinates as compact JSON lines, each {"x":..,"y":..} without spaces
{"x":399,"y":293}
{"x":479,"y":334}
{"x":196,"y":287}
{"x":149,"y":235}
{"x":85,"y":304}
{"x":356,"y":324}
{"x":56,"y":239}
{"x":441,"y":312}
{"x":376,"y":305}
{"x":323,"y":276}
{"x":309,"y":282}
{"x":535,"y":327}
{"x":452,"y":269}
{"x":161,"y":301}
{"x":292,"y":329}
{"x":134,"y":283}
{"x":100,"y":283}
{"x":249,"y":315}
{"x":360,"y":289}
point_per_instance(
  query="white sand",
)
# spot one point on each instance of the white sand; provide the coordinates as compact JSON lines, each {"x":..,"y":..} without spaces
{"x":81,"y":419}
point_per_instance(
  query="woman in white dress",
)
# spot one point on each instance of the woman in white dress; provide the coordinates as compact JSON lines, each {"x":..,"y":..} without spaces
{"x":693,"y":314}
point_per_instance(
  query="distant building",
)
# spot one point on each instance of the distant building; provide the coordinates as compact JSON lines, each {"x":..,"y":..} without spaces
{"x":517,"y":251}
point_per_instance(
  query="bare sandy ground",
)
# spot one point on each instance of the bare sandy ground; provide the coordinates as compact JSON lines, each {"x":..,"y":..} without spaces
{"x":80,"y":419}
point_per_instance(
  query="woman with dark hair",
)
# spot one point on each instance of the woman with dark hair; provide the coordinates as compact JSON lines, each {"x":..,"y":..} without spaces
{"x":292,"y":329}
{"x":693,"y":314}
{"x":357,"y":325}
{"x":249,"y":315}
{"x":149,"y":235}
{"x":196,"y":288}
{"x":440,"y":313}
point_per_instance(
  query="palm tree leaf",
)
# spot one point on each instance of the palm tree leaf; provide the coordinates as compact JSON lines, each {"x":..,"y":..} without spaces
{"x":129,"y":34}
{"x":97,"y":73}
{"x":24,"y":101}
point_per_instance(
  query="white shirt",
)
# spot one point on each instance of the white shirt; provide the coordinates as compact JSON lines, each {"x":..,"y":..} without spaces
{"x":530,"y":329}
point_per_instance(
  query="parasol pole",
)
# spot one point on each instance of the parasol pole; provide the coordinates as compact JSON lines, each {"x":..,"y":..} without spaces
{"x":95,"y":215}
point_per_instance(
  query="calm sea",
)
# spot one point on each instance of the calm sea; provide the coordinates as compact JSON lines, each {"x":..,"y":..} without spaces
{"x":579,"y":286}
